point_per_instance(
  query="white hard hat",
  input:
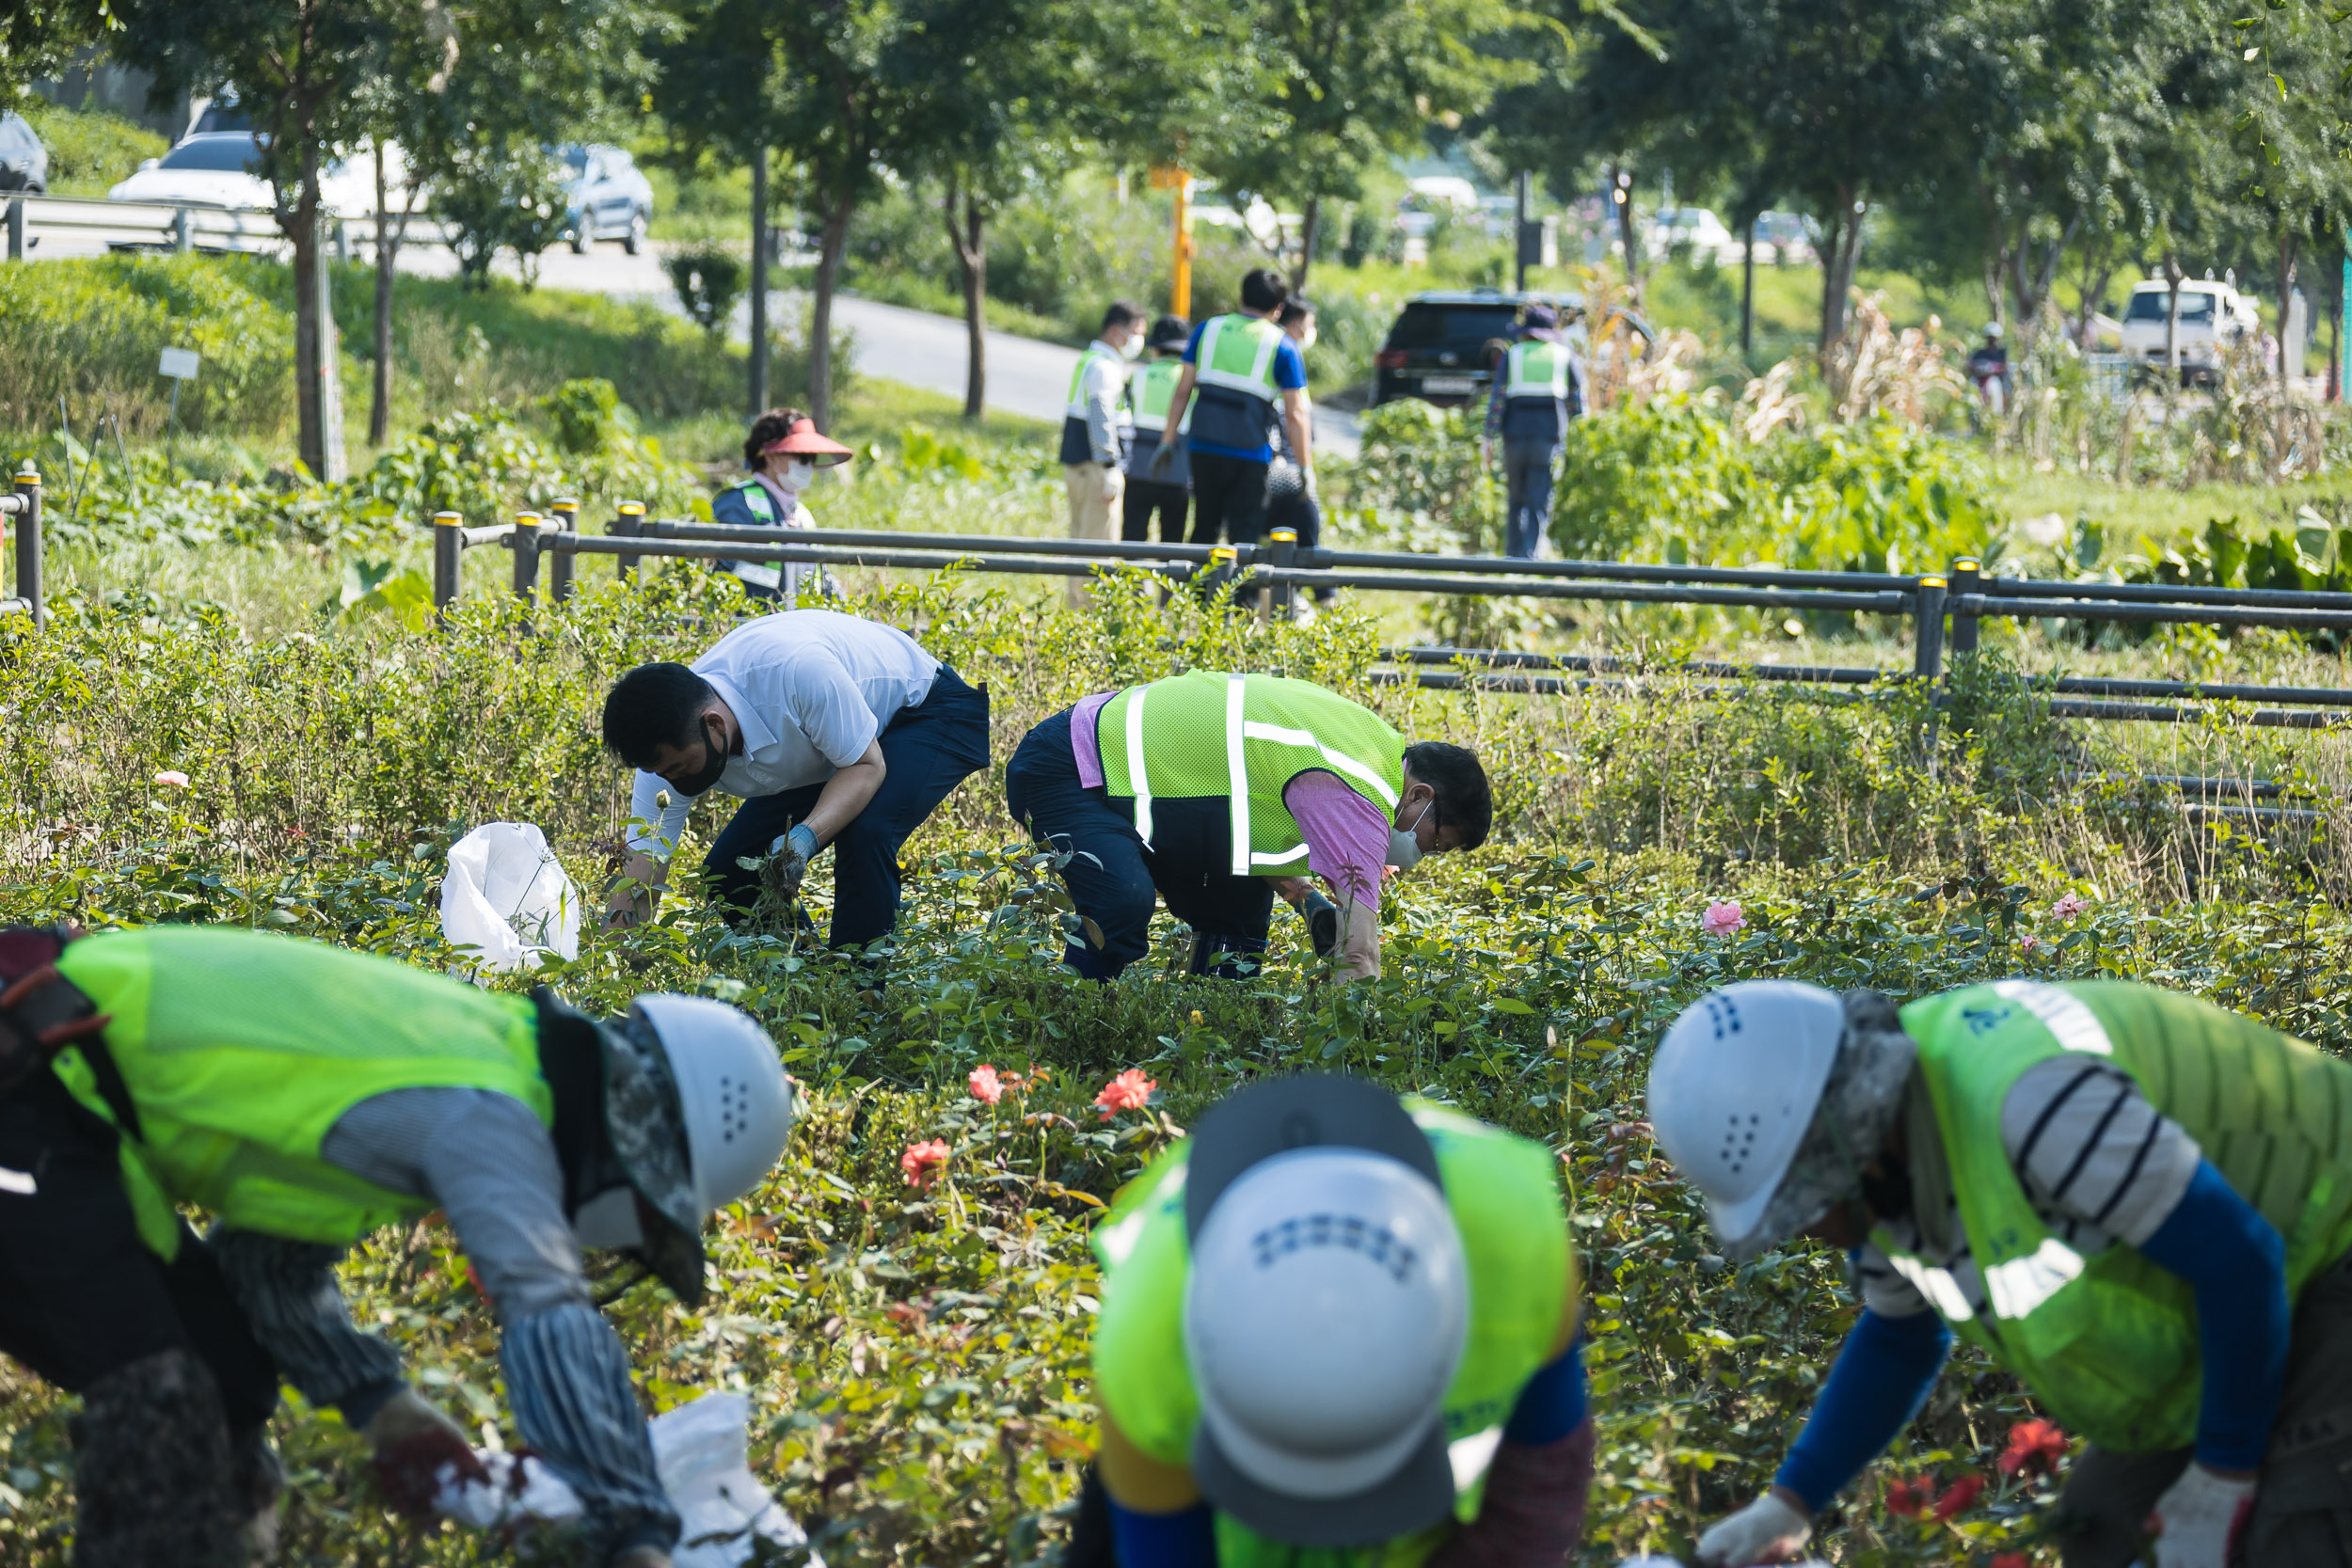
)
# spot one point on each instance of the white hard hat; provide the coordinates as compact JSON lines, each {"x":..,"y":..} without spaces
{"x":1992,"y":329}
{"x":1327,"y":1311}
{"x":732,"y":1093}
{"x":1733,"y":1089}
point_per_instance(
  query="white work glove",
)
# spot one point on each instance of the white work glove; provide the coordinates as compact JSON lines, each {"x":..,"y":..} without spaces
{"x":1767,"y":1531}
{"x":2198,"y":1518}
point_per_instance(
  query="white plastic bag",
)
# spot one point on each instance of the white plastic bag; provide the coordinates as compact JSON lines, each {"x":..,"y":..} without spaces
{"x":700,"y":1452}
{"x":507,"y":898}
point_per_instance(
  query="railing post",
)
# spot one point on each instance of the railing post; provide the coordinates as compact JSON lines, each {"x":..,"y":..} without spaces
{"x":16,"y":229}
{"x":1223,"y":564}
{"x":630,"y":524}
{"x":28,"y":564}
{"x":183,"y":232}
{"x":524,"y":541}
{"x":1280,"y":551}
{"x":1967,"y":577}
{"x":449,"y":554}
{"x":1927,"y":657}
{"x":563,"y":564}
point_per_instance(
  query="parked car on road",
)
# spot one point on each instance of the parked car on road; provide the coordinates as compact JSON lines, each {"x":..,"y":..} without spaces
{"x":24,"y":161}
{"x":1695,"y":227}
{"x":1440,"y":347}
{"x":2212,"y":314}
{"x":223,"y":168}
{"x":611,"y":198}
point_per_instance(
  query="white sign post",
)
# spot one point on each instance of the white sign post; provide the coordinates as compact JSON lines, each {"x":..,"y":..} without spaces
{"x":177,"y":364}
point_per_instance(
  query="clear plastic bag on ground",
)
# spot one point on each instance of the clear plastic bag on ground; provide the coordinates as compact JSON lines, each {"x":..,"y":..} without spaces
{"x":507,"y":898}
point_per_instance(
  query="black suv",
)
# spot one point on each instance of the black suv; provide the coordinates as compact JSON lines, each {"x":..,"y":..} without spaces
{"x":1442,"y":347}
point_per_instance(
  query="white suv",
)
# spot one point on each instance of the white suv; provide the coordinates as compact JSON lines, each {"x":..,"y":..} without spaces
{"x":2210,"y":312}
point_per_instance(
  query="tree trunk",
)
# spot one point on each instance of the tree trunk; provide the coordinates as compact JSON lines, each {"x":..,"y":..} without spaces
{"x":968,"y":238}
{"x":1832,"y":298}
{"x":388,"y":236}
{"x":1748,"y":297}
{"x":829,"y":247}
{"x":757,"y":396}
{"x":2034,"y":277}
{"x":309,"y":342}
{"x":1310,"y":225}
{"x":1626,"y":237}
{"x":2172,"y":318}
{"x":2289,"y":258}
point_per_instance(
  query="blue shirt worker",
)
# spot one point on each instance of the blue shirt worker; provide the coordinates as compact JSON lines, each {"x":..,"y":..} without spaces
{"x":1338,"y":1330}
{"x":1150,"y":392}
{"x":831,"y":729}
{"x":1094,"y":429}
{"x":1246,"y":376}
{"x":2138,"y":1203}
{"x":306,"y":1097}
{"x":1539,"y":387}
{"x":782,"y":453}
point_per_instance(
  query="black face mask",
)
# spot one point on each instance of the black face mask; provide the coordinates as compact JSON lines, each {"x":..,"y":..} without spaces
{"x":714,"y":762}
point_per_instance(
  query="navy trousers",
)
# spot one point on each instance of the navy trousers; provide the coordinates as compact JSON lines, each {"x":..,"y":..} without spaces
{"x":1113,"y":877}
{"x":926,"y":751}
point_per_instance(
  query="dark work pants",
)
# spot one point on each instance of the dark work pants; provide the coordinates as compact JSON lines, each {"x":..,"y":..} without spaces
{"x":926,"y":751}
{"x":1527,"y":482}
{"x":81,"y":1296}
{"x":1144,"y":497}
{"x":1113,"y":877}
{"x":1228,"y":496}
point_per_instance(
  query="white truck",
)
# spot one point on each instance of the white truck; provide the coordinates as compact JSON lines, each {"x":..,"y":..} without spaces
{"x":2211,"y":314}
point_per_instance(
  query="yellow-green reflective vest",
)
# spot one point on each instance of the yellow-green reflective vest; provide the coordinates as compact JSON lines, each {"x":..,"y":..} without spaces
{"x":1237,"y":353}
{"x":1076,"y":406}
{"x":1209,"y":735}
{"x":1505,"y":1201}
{"x":1151,"y":389}
{"x":2109,"y":1342}
{"x":1533,"y":369}
{"x":241,"y":1050}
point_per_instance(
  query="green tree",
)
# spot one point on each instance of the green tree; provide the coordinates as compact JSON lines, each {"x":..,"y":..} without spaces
{"x":39,"y":37}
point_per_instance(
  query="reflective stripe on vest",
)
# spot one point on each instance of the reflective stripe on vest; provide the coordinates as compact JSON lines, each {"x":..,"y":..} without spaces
{"x":1207,"y":734}
{"x":1076,"y":405}
{"x":1536,"y":370}
{"x":1505,"y":1200}
{"x":1237,"y":353}
{"x":756,"y":497}
{"x":242,"y":1049}
{"x":2107,"y":1340}
{"x":1151,"y":389}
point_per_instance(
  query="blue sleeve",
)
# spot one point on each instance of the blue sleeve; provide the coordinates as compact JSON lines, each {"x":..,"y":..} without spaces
{"x":1192,"y":344}
{"x":1290,"y":366}
{"x":1882,"y":1378}
{"x":2234,"y":1261}
{"x":1186,"y":1540}
{"x":1552,"y":1404}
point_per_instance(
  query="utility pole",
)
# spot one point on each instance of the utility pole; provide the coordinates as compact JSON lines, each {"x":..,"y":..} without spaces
{"x":1519,"y":228}
{"x":759,"y":283}
{"x":1747,"y":293}
{"x":1180,"y":287}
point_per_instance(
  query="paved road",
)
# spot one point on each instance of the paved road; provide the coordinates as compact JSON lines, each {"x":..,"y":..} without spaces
{"x":1025,"y":376}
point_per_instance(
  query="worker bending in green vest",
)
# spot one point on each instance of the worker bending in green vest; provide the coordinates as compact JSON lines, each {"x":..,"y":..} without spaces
{"x":1339,"y":1331}
{"x":306,"y":1095}
{"x":1209,"y":788}
{"x":2136,"y":1202}
{"x":782,"y":453}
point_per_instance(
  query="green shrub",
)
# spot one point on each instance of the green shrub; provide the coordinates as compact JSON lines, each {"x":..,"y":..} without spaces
{"x":91,"y":331}
{"x":709,"y":281}
{"x":90,"y":150}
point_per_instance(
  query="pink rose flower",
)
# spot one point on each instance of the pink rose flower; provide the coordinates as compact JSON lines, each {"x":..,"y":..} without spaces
{"x":1130,"y":1092}
{"x":1723,"y":917}
{"x":985,"y":1086}
{"x":924,"y":1162}
{"x":172,"y":779}
{"x":2029,"y":944}
{"x":2068,"y":907}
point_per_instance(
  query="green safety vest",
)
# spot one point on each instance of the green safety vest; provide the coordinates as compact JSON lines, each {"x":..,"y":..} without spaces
{"x":1505,"y":1201}
{"x":1207,"y":734}
{"x":1151,"y":391}
{"x":241,"y":1050}
{"x":1076,"y":407}
{"x":1237,"y":353}
{"x":2109,"y":1342}
{"x":1533,"y":369}
{"x":756,"y":497}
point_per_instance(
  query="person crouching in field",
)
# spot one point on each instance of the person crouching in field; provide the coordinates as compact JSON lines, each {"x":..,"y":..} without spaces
{"x":1210,"y":789}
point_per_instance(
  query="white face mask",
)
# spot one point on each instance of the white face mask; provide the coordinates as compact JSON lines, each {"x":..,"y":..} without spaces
{"x":1133,"y":347}
{"x":795,"y":476}
{"x":1404,"y":849}
{"x":1307,"y":342}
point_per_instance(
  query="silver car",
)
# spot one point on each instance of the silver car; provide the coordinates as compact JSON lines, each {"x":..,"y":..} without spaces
{"x":24,"y":161}
{"x":611,"y":198}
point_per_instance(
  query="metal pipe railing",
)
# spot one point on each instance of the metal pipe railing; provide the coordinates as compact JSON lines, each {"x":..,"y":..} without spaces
{"x":1889,"y":602}
{"x":952,"y":543}
{"x":2156,"y":592}
{"x":2136,"y":610}
{"x":22,"y":506}
{"x":589,"y":544}
{"x":1320,"y":558}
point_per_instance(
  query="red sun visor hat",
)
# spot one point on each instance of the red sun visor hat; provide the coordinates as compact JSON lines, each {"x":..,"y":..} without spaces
{"x":802,"y":440}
